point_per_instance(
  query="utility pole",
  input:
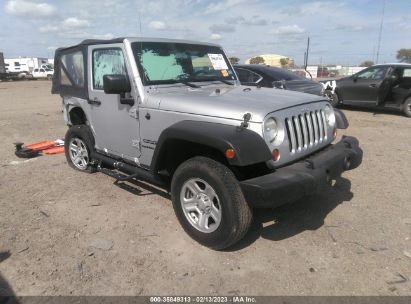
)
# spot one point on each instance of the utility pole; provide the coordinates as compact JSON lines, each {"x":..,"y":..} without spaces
{"x":380,"y":33}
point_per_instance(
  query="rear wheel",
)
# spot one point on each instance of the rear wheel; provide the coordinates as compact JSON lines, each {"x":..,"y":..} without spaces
{"x":49,"y":77}
{"x":77,"y":146}
{"x":406,"y":107}
{"x":209,"y":203}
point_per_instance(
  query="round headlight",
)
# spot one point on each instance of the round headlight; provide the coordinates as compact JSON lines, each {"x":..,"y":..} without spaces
{"x":329,"y":115}
{"x":271,"y":129}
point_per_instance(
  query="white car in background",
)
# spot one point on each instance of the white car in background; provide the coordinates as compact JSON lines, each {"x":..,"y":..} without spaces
{"x":43,"y":73}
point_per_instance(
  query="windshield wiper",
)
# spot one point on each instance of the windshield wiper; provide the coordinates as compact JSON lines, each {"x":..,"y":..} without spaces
{"x":189,"y":84}
{"x":218,"y":79}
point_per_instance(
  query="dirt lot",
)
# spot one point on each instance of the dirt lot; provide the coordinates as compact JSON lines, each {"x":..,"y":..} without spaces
{"x":355,"y":239}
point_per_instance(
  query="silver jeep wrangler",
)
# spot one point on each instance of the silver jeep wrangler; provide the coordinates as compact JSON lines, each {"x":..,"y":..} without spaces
{"x":173,"y":113}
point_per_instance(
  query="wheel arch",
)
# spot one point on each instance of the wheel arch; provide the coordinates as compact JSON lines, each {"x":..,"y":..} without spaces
{"x":408,"y":96}
{"x":187,"y":139}
{"x":76,"y":116}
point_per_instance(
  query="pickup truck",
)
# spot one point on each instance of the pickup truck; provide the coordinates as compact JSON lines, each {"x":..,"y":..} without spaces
{"x":42,"y":73}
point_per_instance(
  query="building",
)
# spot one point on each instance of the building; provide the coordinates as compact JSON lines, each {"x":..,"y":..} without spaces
{"x":273,"y":60}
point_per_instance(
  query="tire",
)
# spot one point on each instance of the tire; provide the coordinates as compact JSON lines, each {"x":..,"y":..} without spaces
{"x":333,"y":98}
{"x":79,"y":136}
{"x":49,"y":77}
{"x":406,"y":107}
{"x":227,"y":201}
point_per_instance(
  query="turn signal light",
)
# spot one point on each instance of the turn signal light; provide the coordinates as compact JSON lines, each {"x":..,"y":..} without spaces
{"x":276,"y":154}
{"x":229,"y":153}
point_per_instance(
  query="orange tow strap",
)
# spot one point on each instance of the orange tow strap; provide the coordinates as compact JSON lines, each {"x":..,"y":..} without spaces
{"x":42,"y":145}
{"x":55,"y":150}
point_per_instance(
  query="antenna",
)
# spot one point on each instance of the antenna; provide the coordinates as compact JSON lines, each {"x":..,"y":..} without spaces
{"x":379,"y":34}
{"x":139,"y":20}
{"x":306,"y":57}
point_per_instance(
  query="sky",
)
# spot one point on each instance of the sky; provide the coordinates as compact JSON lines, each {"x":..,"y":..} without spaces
{"x":341,"y":31}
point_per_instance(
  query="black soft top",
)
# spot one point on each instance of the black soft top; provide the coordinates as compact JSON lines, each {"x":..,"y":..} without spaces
{"x":76,"y":89}
{"x":88,"y":42}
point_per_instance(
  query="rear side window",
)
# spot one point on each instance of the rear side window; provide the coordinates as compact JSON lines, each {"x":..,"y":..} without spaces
{"x":36,"y":70}
{"x":108,"y":61}
{"x":73,"y":63}
{"x":248,"y":76}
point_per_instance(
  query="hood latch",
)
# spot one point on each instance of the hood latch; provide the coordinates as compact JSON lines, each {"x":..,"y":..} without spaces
{"x":246,"y":117}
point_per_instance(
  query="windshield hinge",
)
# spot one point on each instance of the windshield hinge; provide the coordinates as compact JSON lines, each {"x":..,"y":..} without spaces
{"x":134,"y":113}
{"x":244,"y":124}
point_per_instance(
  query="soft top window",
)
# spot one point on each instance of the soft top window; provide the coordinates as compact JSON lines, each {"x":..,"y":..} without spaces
{"x":70,"y":74}
{"x":73,"y":64}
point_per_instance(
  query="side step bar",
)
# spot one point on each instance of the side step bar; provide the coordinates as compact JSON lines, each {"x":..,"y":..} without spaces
{"x":134,"y":172}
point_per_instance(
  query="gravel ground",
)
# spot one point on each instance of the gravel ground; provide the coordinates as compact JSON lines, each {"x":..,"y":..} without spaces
{"x":63,"y":232}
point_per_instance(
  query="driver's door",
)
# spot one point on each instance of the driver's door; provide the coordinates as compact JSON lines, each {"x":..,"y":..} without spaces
{"x":115,"y":125}
{"x":363,"y":87}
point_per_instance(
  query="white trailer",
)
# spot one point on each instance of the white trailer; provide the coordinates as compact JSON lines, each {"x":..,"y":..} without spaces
{"x":25,"y":66}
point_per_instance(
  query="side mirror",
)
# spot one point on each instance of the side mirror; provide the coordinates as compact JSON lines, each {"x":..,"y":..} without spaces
{"x":354,"y":78}
{"x":118,"y":84}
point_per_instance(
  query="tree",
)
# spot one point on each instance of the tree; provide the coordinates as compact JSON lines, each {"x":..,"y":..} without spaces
{"x":404,"y":55}
{"x":367,"y":63}
{"x":257,"y":60}
{"x":234,"y":60}
{"x":286,"y":62}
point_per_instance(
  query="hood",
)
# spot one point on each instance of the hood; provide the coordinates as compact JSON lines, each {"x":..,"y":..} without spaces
{"x":306,"y":86}
{"x":230,"y":102}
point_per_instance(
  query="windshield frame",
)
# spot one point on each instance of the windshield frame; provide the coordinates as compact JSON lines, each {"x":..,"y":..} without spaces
{"x":146,"y":82}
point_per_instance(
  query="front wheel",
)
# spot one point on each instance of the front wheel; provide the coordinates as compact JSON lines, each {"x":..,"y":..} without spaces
{"x":209,"y":203}
{"x":333,"y":98}
{"x":406,"y":107}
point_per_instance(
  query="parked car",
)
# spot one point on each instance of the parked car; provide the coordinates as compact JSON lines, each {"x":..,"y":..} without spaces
{"x":172,"y":112}
{"x":384,"y":85}
{"x":273,"y":77}
{"x":323,"y":72}
{"x":43,"y":73}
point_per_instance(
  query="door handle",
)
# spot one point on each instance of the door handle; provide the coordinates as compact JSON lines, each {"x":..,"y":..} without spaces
{"x":373,"y":85}
{"x":95,"y":101}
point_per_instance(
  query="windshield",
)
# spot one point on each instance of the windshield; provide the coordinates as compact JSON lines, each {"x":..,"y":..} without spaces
{"x":163,"y":62}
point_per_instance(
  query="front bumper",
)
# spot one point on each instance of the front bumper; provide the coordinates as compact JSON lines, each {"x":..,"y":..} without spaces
{"x":306,"y":177}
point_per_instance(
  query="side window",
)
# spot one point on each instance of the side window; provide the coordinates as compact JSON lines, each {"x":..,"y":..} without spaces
{"x":254,"y":77}
{"x":406,"y":72}
{"x":42,"y":70}
{"x":107,"y":62}
{"x":74,"y":65}
{"x":248,"y":76}
{"x":376,"y":73}
{"x":36,"y":70}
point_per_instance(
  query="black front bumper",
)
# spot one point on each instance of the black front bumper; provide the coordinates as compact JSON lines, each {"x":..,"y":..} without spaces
{"x":306,"y":177}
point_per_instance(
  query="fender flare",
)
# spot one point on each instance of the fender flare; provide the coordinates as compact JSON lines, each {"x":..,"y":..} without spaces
{"x":249,"y":147}
{"x":341,"y":119}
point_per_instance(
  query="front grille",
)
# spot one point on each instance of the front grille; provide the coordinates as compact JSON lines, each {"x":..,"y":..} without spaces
{"x":306,"y":131}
